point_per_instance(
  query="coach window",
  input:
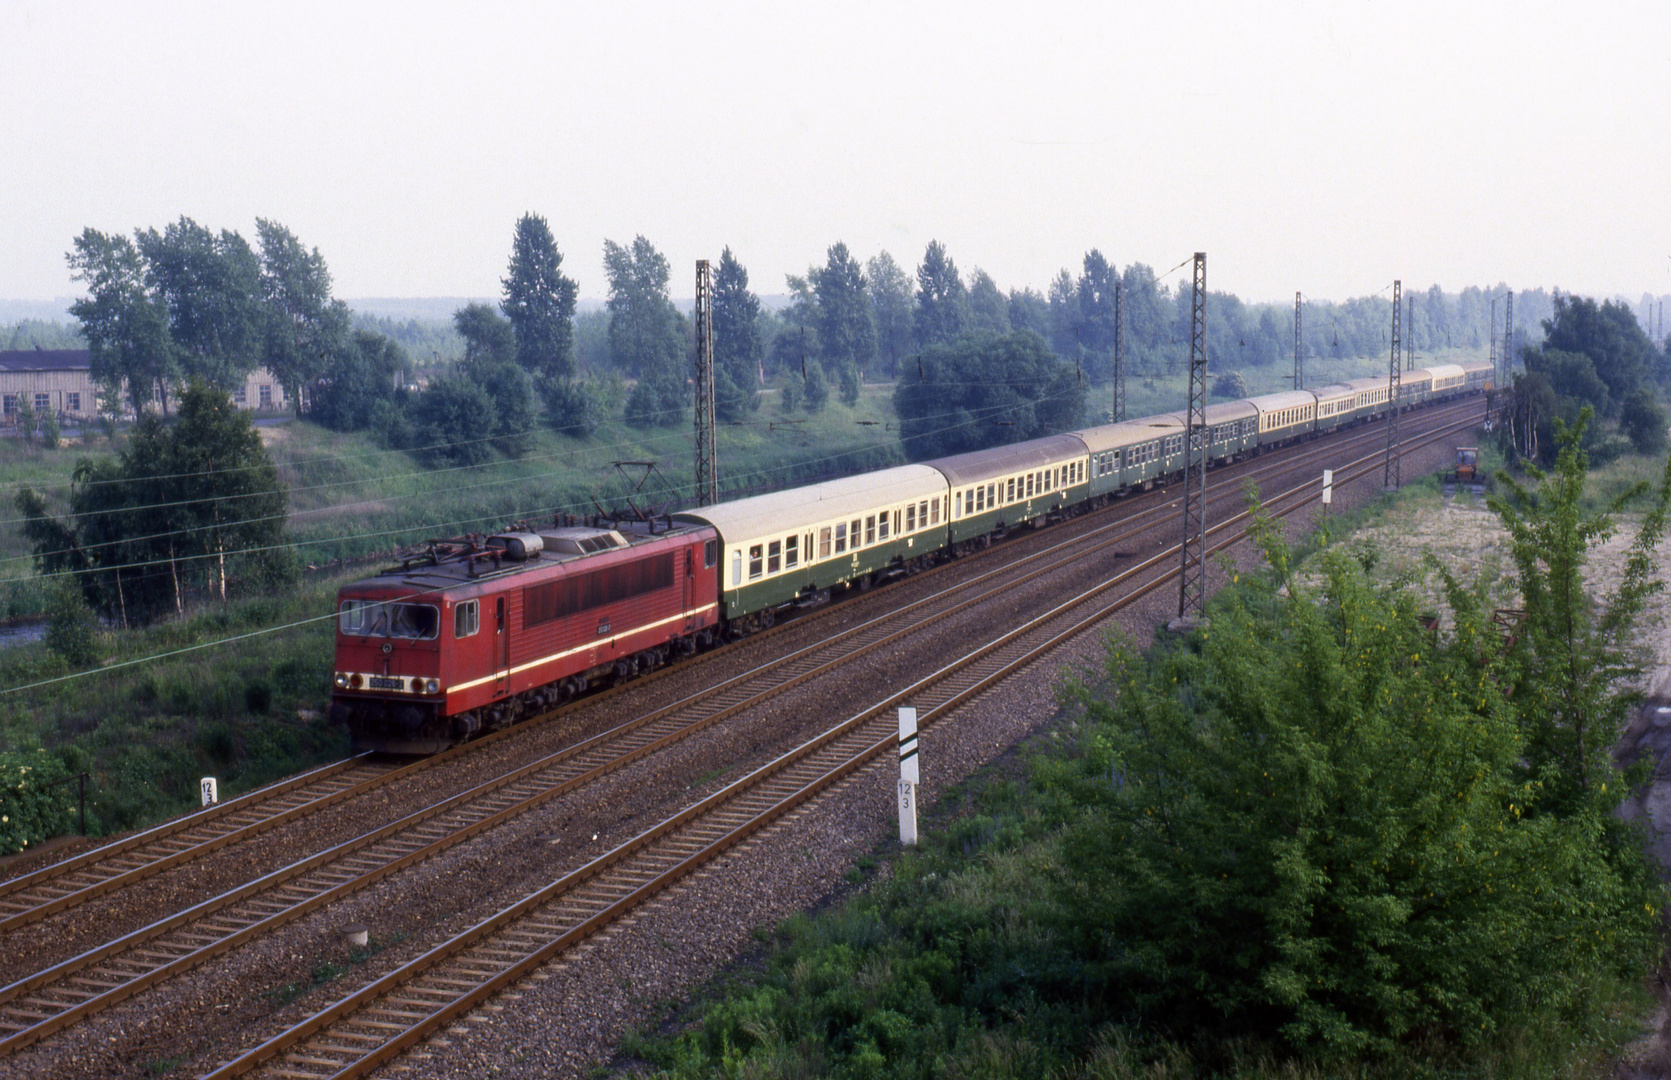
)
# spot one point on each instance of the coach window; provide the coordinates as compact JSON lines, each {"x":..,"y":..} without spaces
{"x":882,"y":526}
{"x":922,"y":514}
{"x":774,"y":556}
{"x":911,"y":518}
{"x":980,"y":500}
{"x":466,"y":619}
{"x":792,"y":552}
{"x":934,"y":511}
{"x":710,"y":553}
{"x":957,"y":505}
{"x":870,"y":530}
{"x":754,"y":561}
{"x":841,"y":538}
{"x":853,"y":531}
{"x":824,"y":542}
{"x":737,"y":567}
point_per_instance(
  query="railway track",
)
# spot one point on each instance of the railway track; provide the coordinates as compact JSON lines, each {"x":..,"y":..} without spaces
{"x":63,"y":885}
{"x":378,"y":1022}
{"x":59,"y":996}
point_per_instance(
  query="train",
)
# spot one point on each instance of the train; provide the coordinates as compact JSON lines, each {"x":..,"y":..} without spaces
{"x":468,"y":635}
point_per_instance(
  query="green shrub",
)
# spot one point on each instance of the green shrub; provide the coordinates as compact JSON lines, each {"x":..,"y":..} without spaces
{"x":71,"y":629}
{"x":33,"y":804}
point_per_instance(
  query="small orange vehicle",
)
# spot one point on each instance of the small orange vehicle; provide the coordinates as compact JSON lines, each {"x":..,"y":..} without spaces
{"x":1467,"y":465}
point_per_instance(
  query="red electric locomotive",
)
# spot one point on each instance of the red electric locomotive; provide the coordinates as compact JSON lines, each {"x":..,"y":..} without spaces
{"x":471,"y":635}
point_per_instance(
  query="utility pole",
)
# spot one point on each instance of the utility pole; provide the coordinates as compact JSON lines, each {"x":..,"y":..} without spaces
{"x":1496,"y":369}
{"x":1118,"y":413}
{"x":1392,"y":476}
{"x":1191,"y":576}
{"x":1410,"y":336}
{"x":1299,"y":359}
{"x":1508,"y":336}
{"x":707,"y":463}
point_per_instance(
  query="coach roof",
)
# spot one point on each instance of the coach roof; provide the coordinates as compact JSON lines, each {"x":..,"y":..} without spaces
{"x":1007,"y":460}
{"x":786,"y":511}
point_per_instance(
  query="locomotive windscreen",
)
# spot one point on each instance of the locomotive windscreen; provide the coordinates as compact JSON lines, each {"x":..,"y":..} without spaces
{"x":581,"y":592}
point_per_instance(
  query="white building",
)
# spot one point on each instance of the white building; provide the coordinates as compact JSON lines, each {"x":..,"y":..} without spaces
{"x":60,"y":381}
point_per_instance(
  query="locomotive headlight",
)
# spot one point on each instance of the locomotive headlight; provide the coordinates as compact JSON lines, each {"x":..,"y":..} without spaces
{"x":432,"y":686}
{"x":342,"y":681}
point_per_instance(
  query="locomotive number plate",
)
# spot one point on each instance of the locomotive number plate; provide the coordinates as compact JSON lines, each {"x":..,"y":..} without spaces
{"x":385,"y":682}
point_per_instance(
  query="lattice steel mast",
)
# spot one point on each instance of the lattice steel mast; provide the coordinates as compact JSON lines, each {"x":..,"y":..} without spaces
{"x":1191,"y":581}
{"x":707,"y":461}
{"x":1508,"y":336}
{"x":1393,"y":476}
{"x":1118,"y":413}
{"x":1299,"y":358}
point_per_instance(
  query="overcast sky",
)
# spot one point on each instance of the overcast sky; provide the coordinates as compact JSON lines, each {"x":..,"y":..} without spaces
{"x":1326,"y":147}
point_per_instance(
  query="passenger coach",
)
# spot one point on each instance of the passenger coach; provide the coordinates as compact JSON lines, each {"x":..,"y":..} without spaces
{"x":794,"y":546}
{"x":998,"y":489}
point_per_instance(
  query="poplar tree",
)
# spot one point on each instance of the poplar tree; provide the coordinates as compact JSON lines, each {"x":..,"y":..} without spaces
{"x":539,"y":300}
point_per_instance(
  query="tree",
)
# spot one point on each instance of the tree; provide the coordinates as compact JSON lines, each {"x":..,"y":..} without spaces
{"x":846,"y":338}
{"x":817,"y":392}
{"x":572,"y":408}
{"x":512,"y":390}
{"x":646,"y":333}
{"x":201,"y":494}
{"x":1230,"y":385}
{"x":489,"y":338}
{"x":539,"y":300}
{"x":1571,"y":660}
{"x":366,"y":369}
{"x":1623,"y":356}
{"x":986,"y":390}
{"x":890,"y":309}
{"x":306,"y":331}
{"x":211,"y":285}
{"x":1028,"y":310}
{"x":942,"y":313}
{"x":228,"y":490}
{"x":738,"y":350}
{"x":126,"y":327}
{"x":1642,"y":419}
{"x":453,"y":422}
{"x":989,"y":312}
{"x":1094,"y":315}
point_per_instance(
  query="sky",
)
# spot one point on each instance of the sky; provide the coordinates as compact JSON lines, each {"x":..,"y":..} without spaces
{"x":1321,"y":147}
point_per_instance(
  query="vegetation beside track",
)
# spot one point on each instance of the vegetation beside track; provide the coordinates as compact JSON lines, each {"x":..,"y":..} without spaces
{"x":1283,"y":848}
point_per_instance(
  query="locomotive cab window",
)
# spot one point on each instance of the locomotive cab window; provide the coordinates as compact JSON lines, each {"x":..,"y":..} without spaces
{"x":466,"y":619}
{"x":710,"y":553}
{"x":370,"y":618}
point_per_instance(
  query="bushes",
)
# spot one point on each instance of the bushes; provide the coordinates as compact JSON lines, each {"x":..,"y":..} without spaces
{"x":34,"y":805}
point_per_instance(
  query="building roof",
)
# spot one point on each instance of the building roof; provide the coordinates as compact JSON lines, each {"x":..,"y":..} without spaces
{"x":44,"y":360}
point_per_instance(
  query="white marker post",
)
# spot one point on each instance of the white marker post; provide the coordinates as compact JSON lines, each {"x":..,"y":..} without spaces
{"x":1328,"y":489}
{"x":211,"y":792}
{"x":908,"y":775}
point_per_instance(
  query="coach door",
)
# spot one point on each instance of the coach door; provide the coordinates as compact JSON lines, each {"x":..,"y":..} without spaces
{"x":501,"y":646}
